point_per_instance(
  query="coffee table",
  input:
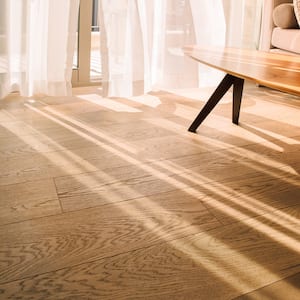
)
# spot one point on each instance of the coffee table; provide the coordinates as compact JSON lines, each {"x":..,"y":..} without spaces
{"x":277,"y":71}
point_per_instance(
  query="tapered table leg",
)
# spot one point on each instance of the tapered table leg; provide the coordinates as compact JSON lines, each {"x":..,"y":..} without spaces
{"x":220,"y":91}
{"x":237,"y":99}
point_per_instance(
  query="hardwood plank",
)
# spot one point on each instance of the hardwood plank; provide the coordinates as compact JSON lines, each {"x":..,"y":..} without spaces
{"x":284,"y":151}
{"x":254,"y":195}
{"x":287,"y":288}
{"x":218,"y":165}
{"x":15,"y":128}
{"x":110,"y":117}
{"x":19,"y":202}
{"x":137,"y":130}
{"x":162,"y":148}
{"x":43,"y":245}
{"x":219,"y":217}
{"x":42,"y":166}
{"x":140,"y":179}
{"x":210,"y":175}
{"x":222,"y":263}
{"x":57,"y":139}
{"x":74,"y":108}
{"x":50,"y":100}
{"x":114,"y":185}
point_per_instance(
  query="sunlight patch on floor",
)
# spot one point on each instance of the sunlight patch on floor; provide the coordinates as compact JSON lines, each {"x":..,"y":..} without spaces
{"x":109,"y":103}
{"x":81,"y":126}
{"x":237,"y":198}
{"x":146,"y":100}
{"x":198,"y":180}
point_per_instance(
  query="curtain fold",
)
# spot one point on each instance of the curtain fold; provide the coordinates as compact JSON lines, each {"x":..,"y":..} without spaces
{"x":243,"y":22}
{"x":141,"y":40}
{"x":37,"y":45}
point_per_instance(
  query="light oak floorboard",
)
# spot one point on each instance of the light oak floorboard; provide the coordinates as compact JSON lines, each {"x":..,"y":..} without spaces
{"x":218,"y":264}
{"x":50,"y":243}
{"x":288,"y":288}
{"x":115,"y":199}
{"x":19,"y":202}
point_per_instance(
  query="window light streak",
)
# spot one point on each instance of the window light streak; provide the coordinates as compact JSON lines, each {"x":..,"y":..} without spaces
{"x":106,"y":146}
{"x":175,"y":127}
{"x":188,"y":174}
{"x":242,"y":278}
{"x":109,"y":103}
{"x":278,"y":293}
{"x":212,"y":186}
{"x":227,"y":193}
{"x":239,"y":152}
{"x":86,"y":136}
{"x":65,"y":159}
{"x":267,"y":163}
{"x":233,"y":272}
{"x":242,"y":152}
{"x":242,"y":134}
{"x":56,"y":153}
{"x":207,"y":251}
{"x":276,"y":136}
{"x":146,"y":100}
{"x":177,"y":184}
{"x":273,"y":113}
{"x":81,"y":125}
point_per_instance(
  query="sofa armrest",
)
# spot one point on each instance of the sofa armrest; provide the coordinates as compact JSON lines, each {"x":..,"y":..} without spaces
{"x":267,"y":24}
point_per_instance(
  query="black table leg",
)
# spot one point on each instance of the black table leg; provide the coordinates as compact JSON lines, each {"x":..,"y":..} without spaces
{"x":238,"y":85}
{"x":220,"y":91}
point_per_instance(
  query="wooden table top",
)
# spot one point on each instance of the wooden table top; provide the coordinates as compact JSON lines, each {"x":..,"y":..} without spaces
{"x":278,"y":71}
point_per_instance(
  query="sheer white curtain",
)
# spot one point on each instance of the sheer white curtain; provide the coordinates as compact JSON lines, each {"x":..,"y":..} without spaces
{"x":142,"y":40}
{"x":37,"y":46}
{"x":243,"y":20}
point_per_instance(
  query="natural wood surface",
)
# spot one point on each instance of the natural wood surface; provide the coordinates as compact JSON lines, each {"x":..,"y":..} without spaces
{"x":283,"y":289}
{"x":97,"y":203}
{"x":279,"y":71}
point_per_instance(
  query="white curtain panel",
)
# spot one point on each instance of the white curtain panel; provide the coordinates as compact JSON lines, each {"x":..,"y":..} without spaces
{"x":243,"y":21}
{"x":142,"y":40}
{"x":37,"y":46}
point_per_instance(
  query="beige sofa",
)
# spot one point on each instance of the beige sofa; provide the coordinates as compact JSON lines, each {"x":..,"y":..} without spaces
{"x":275,"y":38}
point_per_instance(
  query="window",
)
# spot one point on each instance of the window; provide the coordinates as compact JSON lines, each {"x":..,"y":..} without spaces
{"x":86,"y":62}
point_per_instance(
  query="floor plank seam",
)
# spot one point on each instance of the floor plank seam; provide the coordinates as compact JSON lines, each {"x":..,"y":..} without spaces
{"x":58,"y":199}
{"x":265,"y":286}
{"x":155,"y":244}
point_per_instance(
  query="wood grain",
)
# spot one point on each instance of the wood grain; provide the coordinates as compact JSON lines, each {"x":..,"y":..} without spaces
{"x":279,"y":71}
{"x":43,"y":245}
{"x":218,"y":264}
{"x":19,"y":202}
{"x":104,"y":204}
{"x":287,"y":288}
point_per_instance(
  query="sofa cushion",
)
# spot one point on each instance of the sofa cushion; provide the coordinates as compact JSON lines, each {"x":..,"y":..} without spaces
{"x":297,"y":10}
{"x":284,"y":16}
{"x":286,"y":39}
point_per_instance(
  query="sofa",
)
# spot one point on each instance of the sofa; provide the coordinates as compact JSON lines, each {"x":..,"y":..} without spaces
{"x":280,"y":30}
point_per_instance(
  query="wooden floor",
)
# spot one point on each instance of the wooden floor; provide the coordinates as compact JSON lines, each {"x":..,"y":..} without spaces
{"x":115,"y":199}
